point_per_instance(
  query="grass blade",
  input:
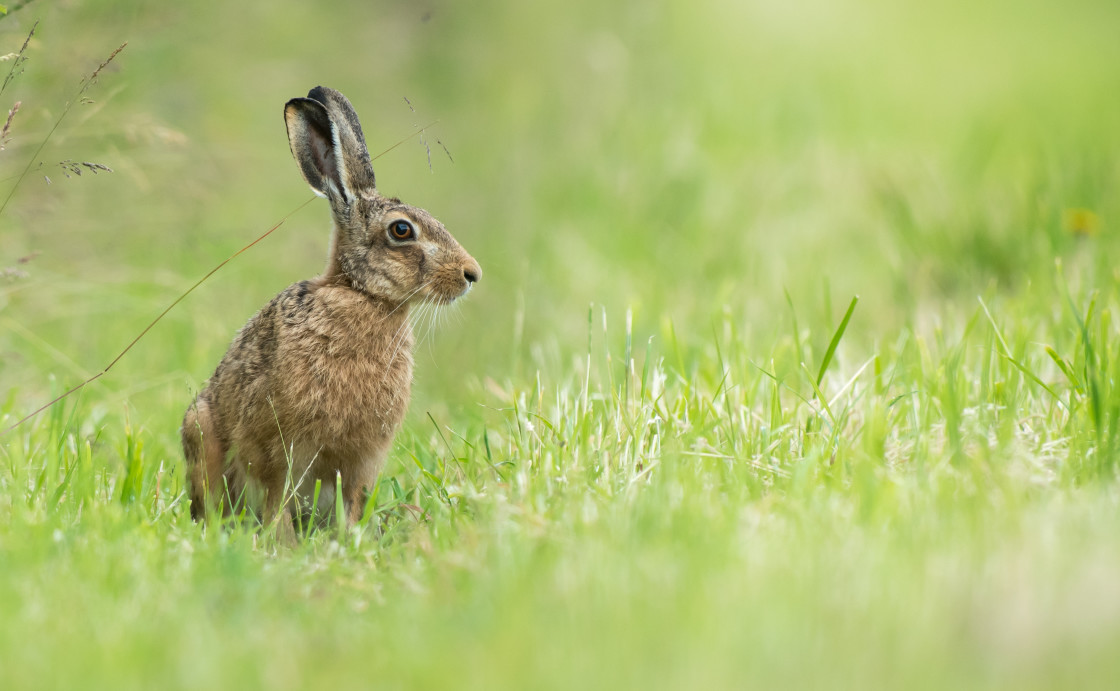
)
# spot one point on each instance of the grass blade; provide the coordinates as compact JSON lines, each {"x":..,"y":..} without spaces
{"x":836,"y":340}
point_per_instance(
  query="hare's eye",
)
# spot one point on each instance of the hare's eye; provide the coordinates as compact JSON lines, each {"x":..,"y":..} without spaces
{"x":401,"y":230}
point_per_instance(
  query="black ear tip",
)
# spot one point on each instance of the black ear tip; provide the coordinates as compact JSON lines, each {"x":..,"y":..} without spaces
{"x":307,"y":112}
{"x":306,"y":106}
{"x":319,"y":94}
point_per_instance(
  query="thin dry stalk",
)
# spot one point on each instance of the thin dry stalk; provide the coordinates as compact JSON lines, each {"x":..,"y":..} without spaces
{"x":153,"y":322}
{"x":70,"y":166}
{"x":19,"y":59}
{"x":445,"y":150}
{"x":8,"y":124}
{"x":86,"y":83}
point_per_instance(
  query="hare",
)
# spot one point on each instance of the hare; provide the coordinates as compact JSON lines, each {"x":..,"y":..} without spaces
{"x":316,"y":384}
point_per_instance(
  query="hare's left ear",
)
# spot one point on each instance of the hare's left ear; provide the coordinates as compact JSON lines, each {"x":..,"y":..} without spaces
{"x":309,"y":135}
{"x":327,"y":142}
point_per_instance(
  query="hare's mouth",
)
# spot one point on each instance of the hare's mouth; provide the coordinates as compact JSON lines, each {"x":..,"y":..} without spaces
{"x":448,"y":299}
{"x":446,"y":295}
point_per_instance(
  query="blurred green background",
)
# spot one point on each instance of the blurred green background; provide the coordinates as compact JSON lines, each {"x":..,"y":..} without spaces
{"x":729,"y":172}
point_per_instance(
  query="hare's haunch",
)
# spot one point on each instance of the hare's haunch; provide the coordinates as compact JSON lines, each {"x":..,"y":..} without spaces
{"x":315,"y":385}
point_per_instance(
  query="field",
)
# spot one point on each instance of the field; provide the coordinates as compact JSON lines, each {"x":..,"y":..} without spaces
{"x":795,"y":362}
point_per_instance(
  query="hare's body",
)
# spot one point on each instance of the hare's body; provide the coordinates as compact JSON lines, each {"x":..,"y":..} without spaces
{"x":316,"y":384}
{"x":311,"y":391}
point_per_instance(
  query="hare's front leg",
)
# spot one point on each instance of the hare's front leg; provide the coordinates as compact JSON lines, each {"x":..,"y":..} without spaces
{"x":355,"y":498}
{"x":360,"y":481}
{"x":204,"y":455}
{"x":280,"y":501}
{"x":279,"y":511}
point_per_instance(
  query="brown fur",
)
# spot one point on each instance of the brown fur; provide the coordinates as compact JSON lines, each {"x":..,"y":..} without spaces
{"x":316,"y":384}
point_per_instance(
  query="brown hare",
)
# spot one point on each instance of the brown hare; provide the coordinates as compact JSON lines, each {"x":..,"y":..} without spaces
{"x":316,"y":384}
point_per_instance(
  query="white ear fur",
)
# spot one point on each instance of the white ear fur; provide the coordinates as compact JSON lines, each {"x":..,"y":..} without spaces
{"x":340,"y":163}
{"x":355,"y":170}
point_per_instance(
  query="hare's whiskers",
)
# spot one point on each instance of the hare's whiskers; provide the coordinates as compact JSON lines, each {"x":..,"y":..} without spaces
{"x":398,"y":338}
{"x":429,"y":318}
{"x":407,"y":298}
{"x":406,"y":328}
{"x":406,"y":325}
{"x":433,"y":324}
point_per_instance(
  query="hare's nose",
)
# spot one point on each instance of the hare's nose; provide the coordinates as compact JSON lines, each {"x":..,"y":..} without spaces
{"x":472,"y":272}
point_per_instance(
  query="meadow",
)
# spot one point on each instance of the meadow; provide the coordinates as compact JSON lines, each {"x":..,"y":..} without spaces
{"x":794,"y":363}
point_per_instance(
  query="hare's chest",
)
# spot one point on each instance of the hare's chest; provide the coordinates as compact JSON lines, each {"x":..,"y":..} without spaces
{"x":346,"y":384}
{"x":374,"y":388}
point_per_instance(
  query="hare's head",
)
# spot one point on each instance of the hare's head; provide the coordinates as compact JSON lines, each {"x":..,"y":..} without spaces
{"x":382,"y":247}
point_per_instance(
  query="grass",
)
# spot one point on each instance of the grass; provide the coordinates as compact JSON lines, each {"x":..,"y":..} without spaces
{"x":663,"y":445}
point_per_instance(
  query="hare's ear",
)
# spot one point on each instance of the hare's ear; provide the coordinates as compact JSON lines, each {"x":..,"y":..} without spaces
{"x":327,"y":142}
{"x":312,"y":142}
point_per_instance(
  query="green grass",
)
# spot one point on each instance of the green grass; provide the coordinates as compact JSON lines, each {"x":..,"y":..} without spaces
{"x":662,"y":445}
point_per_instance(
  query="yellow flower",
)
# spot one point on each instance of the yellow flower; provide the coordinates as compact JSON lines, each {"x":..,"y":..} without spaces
{"x":1081,"y":222}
